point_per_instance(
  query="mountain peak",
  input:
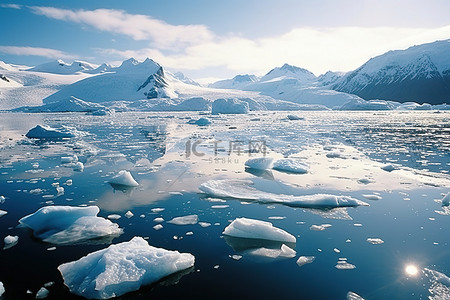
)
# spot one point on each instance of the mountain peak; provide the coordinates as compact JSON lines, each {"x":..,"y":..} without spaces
{"x":289,"y":71}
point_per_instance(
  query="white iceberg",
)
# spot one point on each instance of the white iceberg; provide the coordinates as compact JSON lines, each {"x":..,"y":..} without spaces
{"x":184,"y":220}
{"x":259,"y":163}
{"x":42,"y":293}
{"x":256,"y":229}
{"x":243,"y":190}
{"x":200,"y":122}
{"x":354,"y":296}
{"x":10,"y":241}
{"x":47,"y":132}
{"x":446,"y":199}
{"x":78,"y":166}
{"x":284,"y":251}
{"x":230,"y":106}
{"x":67,"y":224}
{"x":290,"y":165}
{"x":122,"y":268}
{"x":375,"y":241}
{"x":303,"y":260}
{"x":3,"y":212}
{"x":2,"y":288}
{"x":124,"y":178}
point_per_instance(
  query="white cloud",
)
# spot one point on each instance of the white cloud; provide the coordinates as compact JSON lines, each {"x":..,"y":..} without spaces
{"x":10,"y":5}
{"x":138,"y":27}
{"x":36,"y":51}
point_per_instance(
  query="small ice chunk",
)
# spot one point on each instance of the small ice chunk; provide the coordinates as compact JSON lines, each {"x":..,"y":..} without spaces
{"x":364,"y":181}
{"x":303,"y":260}
{"x":158,"y":227}
{"x":204,"y":224}
{"x":220,"y":206}
{"x":47,"y":132}
{"x":342,"y":264}
{"x":375,"y":241}
{"x":389,"y":168}
{"x":319,"y":227}
{"x":184,"y":220}
{"x":157,"y":209}
{"x":2,"y":289}
{"x":337,"y":250}
{"x":276,"y":218}
{"x":3,"y":212}
{"x":200,"y":122}
{"x":114,"y":217}
{"x":235,"y":256}
{"x":36,"y":191}
{"x":294,"y":117}
{"x":189,"y":233}
{"x":354,"y":296}
{"x":372,"y":197}
{"x":124,"y":178}
{"x":256,"y":229}
{"x":291,"y":165}
{"x":129,"y":214}
{"x":69,"y":159}
{"x":122,"y":268}
{"x":10,"y":241}
{"x":42,"y":293}
{"x":78,"y":166}
{"x":69,"y":182}
{"x":2,"y":199}
{"x":446,"y":199}
{"x":287,"y":252}
{"x":67,"y":224}
{"x":158,"y":220}
{"x":259,"y":163}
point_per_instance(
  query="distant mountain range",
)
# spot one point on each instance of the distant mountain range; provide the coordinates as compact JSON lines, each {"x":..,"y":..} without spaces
{"x":418,"y":74}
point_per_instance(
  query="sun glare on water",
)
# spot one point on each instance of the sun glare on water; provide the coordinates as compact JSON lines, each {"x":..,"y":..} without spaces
{"x":411,"y":270}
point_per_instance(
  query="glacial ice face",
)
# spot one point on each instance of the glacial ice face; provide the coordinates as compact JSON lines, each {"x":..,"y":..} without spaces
{"x":256,"y":229}
{"x":122,"y":268}
{"x":243,"y":189}
{"x":68,"y":225}
{"x":124,"y":178}
{"x":230,"y":106}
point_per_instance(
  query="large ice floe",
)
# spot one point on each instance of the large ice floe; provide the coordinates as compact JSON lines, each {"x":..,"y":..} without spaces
{"x":244,"y":190}
{"x":439,"y":288}
{"x":122,"y":268}
{"x":70,"y":225}
{"x":47,"y":132}
{"x":256,"y":229}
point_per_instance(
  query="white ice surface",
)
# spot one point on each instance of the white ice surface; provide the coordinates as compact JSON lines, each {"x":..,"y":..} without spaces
{"x":2,"y":213}
{"x":67,"y":224}
{"x":439,"y":284}
{"x":47,"y":132}
{"x":2,"y":288}
{"x":10,"y":241}
{"x":354,"y":296}
{"x":125,"y":178}
{"x":122,"y":268}
{"x":243,"y":189}
{"x":229,"y":106}
{"x":259,"y":163}
{"x":291,"y":165}
{"x":257,"y":229}
{"x":303,"y":260}
{"x":184,"y":220}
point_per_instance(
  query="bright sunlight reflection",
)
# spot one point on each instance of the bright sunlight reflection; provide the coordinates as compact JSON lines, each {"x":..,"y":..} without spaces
{"x":411,"y":270}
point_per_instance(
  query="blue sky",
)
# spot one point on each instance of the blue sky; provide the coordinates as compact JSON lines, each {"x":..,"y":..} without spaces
{"x":209,"y":40}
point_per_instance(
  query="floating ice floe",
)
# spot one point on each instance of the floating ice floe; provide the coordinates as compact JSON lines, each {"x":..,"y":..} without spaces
{"x":3,"y":212}
{"x":129,"y":214}
{"x":124,"y":178}
{"x":78,"y":166}
{"x":10,"y":241}
{"x":354,"y":296}
{"x":290,"y":165}
{"x":284,"y":251}
{"x":303,"y":260}
{"x":200,"y":122}
{"x":439,"y":284}
{"x":257,"y":229}
{"x":158,"y":227}
{"x":122,"y":268}
{"x":243,"y":190}
{"x":294,"y":117}
{"x":343,"y":264}
{"x":446,"y":199}
{"x":42,"y":293}
{"x":69,"y":159}
{"x":230,"y":106}
{"x":375,"y":241}
{"x":259,"y":163}
{"x":372,"y":197}
{"x":67,"y":224}
{"x":2,"y":199}
{"x":184,"y":220}
{"x":47,"y":132}
{"x":2,"y":289}
{"x":320,"y":227}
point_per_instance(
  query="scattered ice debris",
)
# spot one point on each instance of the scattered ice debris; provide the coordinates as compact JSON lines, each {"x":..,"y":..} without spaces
{"x":235,"y":256}
{"x":47,"y":132}
{"x":372,"y":197}
{"x":69,"y":182}
{"x":184,"y":220}
{"x":78,"y":166}
{"x":290,"y":165}
{"x":114,"y":217}
{"x":259,"y":163}
{"x":276,"y":218}
{"x":200,"y":122}
{"x":67,"y":224}
{"x":216,"y":267}
{"x":353,"y":296}
{"x":2,"y":199}
{"x":284,"y":251}
{"x":357,"y":225}
{"x":3,"y":212}
{"x":294,"y":117}
{"x":158,"y":227}
{"x":389,"y":168}
{"x":243,"y":189}
{"x":2,"y":289}
{"x":336,"y":250}
{"x":158,"y":220}
{"x":229,"y":106}
{"x":122,"y":268}
{"x":256,"y":229}
{"x":157,"y":210}
{"x":303,"y":260}
{"x":204,"y":224}
{"x":375,"y":241}
{"x":439,"y":284}
{"x":59,"y":190}
{"x":49,"y":284}
{"x":124,"y":178}
{"x":446,"y":199}
{"x":320,"y":227}
{"x":42,"y":293}
{"x":220,"y":206}
{"x":129,"y":214}
{"x":36,"y":191}
{"x":10,"y":241}
{"x":69,"y":159}
{"x":51,"y":249}
{"x":189,"y":233}
{"x":342,"y":264}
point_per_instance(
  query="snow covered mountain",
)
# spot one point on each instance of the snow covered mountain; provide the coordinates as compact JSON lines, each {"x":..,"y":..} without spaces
{"x":289,"y":72}
{"x":181,"y":77}
{"x":419,"y":73}
{"x":237,"y":82}
{"x":60,"y":67}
